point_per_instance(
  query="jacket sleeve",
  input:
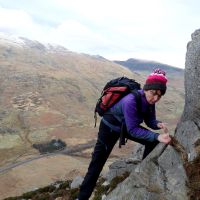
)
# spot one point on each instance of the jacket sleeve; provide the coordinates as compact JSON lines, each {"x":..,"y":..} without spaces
{"x":132,"y":121}
{"x":150,"y":118}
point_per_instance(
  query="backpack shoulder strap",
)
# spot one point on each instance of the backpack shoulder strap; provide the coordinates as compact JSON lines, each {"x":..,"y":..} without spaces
{"x":138,"y":99}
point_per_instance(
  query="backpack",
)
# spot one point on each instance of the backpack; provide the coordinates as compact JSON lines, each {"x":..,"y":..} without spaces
{"x":113,"y":91}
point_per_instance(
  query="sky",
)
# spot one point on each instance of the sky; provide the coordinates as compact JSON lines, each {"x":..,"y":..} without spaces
{"x":156,"y":30}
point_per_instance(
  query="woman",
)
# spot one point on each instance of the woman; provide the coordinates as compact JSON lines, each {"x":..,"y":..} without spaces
{"x":126,"y":112}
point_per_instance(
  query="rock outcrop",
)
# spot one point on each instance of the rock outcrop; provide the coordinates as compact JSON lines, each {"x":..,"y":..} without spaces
{"x":172,"y":172}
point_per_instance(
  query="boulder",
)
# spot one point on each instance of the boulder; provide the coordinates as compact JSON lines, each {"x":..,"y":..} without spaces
{"x":77,"y":181}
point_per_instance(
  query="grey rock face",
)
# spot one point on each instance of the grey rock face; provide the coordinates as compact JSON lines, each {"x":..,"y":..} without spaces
{"x":160,"y":176}
{"x":192,"y":83}
{"x":171,"y":172}
{"x":76,"y":182}
{"x":126,"y":164}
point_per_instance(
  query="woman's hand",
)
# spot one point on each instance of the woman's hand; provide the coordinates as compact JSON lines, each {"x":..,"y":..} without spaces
{"x":164,"y":138}
{"x":163,"y":126}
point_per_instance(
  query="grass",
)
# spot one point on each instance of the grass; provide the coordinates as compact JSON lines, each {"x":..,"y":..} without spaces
{"x":62,"y":189}
{"x":193,"y":174}
{"x":101,"y":189}
{"x":50,"y":192}
{"x":192,"y":169}
{"x":10,"y":141}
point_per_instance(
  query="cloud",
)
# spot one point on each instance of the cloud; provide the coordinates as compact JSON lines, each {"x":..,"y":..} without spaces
{"x":13,"y":19}
{"x":157,"y":29}
{"x":18,"y":22}
{"x":75,"y":36}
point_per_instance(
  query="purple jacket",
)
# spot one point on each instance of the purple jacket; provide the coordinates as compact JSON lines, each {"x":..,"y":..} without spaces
{"x":126,"y":110}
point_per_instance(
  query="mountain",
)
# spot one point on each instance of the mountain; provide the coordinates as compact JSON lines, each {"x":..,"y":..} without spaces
{"x":47,"y":89}
{"x":49,"y":92}
{"x":148,"y":66}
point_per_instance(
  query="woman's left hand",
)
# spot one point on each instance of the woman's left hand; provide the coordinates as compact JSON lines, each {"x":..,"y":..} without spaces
{"x":164,"y":138}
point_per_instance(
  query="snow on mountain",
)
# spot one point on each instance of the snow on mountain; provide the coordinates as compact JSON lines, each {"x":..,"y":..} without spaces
{"x":22,"y":42}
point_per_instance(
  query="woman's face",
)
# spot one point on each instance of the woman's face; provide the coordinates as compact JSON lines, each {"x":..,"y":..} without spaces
{"x":152,"y":96}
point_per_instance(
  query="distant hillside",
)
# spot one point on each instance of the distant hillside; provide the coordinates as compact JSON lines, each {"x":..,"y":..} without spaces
{"x":49,"y":92}
{"x":148,"y":66}
{"x":47,"y":88}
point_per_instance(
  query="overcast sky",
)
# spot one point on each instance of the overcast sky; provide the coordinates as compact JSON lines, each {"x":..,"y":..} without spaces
{"x":156,"y":30}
